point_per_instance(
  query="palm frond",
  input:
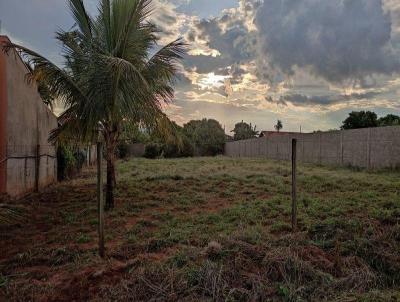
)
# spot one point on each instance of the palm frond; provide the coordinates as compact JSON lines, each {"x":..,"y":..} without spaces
{"x":128,"y":18}
{"x":162,"y":67}
{"x":81,"y":17}
{"x":60,"y":83}
{"x":103,"y":25}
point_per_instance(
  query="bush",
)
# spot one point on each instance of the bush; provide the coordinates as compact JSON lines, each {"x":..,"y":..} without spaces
{"x":186,"y":149}
{"x":80,"y":158}
{"x":122,"y":149}
{"x":171,"y":151}
{"x":65,"y":162}
{"x":69,"y":161}
{"x":206,"y":135}
{"x":152,"y":150}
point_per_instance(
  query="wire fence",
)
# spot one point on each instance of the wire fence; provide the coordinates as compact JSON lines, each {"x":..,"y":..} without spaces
{"x":28,"y":151}
{"x":27,"y":167}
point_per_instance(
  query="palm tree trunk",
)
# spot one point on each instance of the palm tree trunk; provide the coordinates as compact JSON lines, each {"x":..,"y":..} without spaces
{"x":111,"y":144}
{"x":110,"y":185}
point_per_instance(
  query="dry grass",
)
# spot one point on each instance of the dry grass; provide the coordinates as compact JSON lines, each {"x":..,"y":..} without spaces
{"x":209,"y":229}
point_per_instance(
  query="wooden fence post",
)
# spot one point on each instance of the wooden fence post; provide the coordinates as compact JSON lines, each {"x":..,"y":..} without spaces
{"x":100,"y":201}
{"x":294,"y":201}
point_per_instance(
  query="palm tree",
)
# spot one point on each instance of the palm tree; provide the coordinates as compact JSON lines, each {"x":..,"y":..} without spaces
{"x":108,"y":77}
{"x":278,"y":125}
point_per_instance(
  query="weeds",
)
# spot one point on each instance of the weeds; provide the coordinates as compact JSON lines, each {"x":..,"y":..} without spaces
{"x":210,"y":229}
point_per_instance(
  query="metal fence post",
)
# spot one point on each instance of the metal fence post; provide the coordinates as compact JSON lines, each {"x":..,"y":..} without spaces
{"x":294,"y":199}
{"x":341,"y":147}
{"x":100,"y":200}
{"x":369,"y":149}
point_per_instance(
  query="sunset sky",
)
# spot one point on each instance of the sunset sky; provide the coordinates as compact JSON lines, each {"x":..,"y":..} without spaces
{"x":305,"y":62}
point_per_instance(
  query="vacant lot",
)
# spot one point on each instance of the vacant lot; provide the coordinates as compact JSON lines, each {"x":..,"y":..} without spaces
{"x":209,"y":229}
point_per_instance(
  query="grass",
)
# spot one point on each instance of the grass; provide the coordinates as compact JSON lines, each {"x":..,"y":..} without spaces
{"x":210,"y":229}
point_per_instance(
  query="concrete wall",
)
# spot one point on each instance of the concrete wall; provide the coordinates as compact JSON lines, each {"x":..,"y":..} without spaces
{"x":136,"y":150}
{"x":28,"y":124}
{"x":3,"y":123}
{"x":366,"y":148}
{"x":91,"y":153}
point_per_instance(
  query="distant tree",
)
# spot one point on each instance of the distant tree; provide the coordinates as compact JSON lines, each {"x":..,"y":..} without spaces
{"x":360,"y":119}
{"x":172,"y":144}
{"x":389,"y":120}
{"x":243,"y":130}
{"x":207,"y":136}
{"x":177,"y":146}
{"x":134,"y":133}
{"x":278,"y":125}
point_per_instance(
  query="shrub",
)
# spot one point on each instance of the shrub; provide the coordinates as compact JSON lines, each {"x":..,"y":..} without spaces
{"x":172,"y":150}
{"x":69,"y":161}
{"x":187,"y":149}
{"x":65,"y":161}
{"x":122,"y":149}
{"x":152,"y":150}
{"x":80,"y":158}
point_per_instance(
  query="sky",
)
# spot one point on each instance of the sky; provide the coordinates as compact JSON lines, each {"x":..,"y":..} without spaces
{"x":305,"y":62}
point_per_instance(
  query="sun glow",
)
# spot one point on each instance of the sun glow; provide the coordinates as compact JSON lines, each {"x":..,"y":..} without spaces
{"x":212,"y":80}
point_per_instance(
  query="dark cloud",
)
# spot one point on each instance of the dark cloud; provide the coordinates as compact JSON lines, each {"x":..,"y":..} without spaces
{"x":232,"y":44}
{"x":393,"y":7}
{"x":231,"y":38}
{"x":167,"y":19}
{"x":205,"y":64}
{"x":235,"y":72}
{"x":337,"y":39}
{"x":324,"y":100}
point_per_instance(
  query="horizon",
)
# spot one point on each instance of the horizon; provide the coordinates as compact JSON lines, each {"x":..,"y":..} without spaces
{"x":241,"y":64}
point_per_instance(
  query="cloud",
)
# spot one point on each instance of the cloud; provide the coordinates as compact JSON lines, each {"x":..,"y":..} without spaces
{"x":229,"y":38}
{"x":337,"y":40}
{"x":307,"y":47}
{"x":323,"y":100}
{"x":205,"y":8}
{"x":232,"y":45}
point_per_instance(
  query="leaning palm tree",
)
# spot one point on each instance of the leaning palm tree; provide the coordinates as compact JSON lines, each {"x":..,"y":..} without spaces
{"x":109,"y":76}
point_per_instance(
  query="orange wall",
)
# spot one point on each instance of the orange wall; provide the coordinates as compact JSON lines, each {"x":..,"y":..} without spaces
{"x":3,"y":117}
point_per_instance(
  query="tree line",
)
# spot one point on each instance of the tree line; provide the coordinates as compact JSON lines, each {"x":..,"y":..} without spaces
{"x":368,"y":119}
{"x":205,"y":137}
